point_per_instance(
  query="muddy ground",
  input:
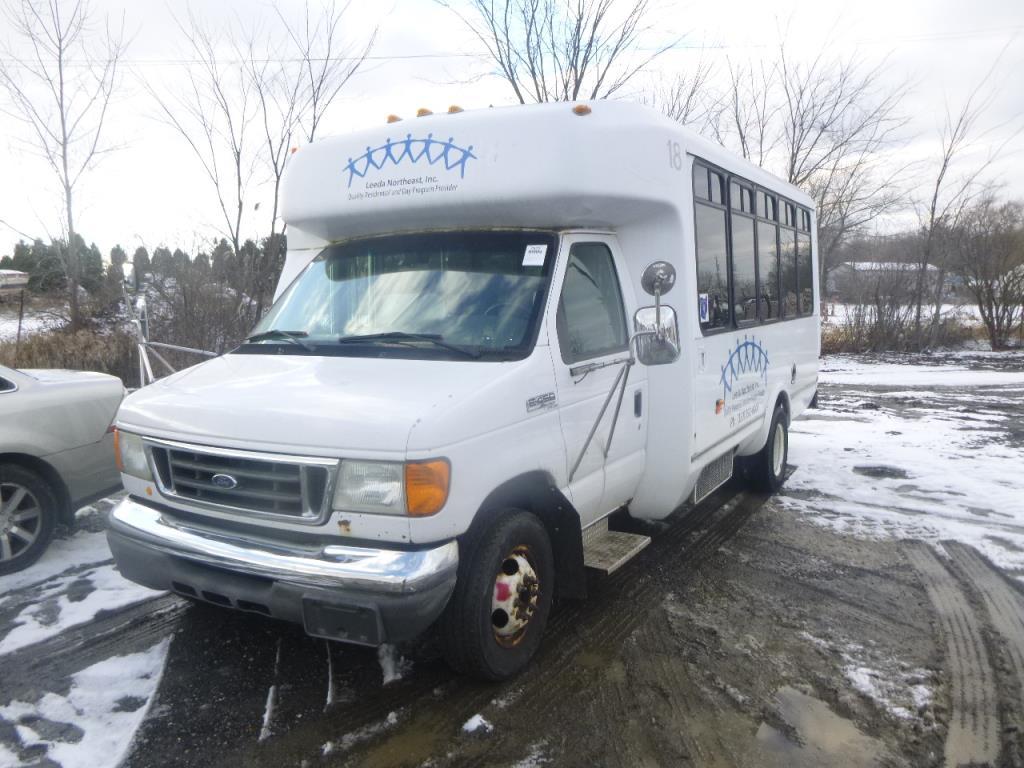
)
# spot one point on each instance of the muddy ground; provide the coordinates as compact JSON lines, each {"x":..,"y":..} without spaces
{"x":743,"y":636}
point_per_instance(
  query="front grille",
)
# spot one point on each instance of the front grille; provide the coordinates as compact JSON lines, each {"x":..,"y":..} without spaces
{"x":267,"y":486}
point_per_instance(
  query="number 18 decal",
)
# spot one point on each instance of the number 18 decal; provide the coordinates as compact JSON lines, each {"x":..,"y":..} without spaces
{"x":675,"y":155}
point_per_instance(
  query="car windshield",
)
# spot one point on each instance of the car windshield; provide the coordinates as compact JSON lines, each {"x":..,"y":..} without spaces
{"x":449,"y":295}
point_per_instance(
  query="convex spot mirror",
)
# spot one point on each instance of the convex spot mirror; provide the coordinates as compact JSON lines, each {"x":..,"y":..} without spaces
{"x":658,"y":279}
{"x":656,"y":335}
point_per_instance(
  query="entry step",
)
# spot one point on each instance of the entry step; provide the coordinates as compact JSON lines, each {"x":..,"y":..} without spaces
{"x":607,"y":551}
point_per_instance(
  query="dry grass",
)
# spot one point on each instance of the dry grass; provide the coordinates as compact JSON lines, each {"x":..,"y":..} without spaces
{"x":82,"y":351}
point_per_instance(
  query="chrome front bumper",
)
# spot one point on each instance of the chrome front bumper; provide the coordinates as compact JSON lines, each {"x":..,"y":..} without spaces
{"x":361,"y":568}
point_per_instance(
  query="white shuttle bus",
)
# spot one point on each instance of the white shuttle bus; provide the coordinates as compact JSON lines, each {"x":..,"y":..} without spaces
{"x":494,"y":329}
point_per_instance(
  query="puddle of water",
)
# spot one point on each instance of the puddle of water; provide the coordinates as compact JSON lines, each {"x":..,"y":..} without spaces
{"x":819,"y":738}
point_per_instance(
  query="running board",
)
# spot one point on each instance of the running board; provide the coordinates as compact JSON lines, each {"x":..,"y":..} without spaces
{"x":607,"y":551}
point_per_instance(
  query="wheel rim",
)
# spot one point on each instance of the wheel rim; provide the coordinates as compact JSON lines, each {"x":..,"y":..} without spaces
{"x":515,"y":597}
{"x":778,"y":449}
{"x":21,"y":519}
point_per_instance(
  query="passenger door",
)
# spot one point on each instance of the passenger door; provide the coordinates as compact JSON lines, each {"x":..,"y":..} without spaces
{"x":590,"y":347}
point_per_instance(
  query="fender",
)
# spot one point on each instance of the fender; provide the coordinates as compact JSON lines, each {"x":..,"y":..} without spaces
{"x":537,"y":492}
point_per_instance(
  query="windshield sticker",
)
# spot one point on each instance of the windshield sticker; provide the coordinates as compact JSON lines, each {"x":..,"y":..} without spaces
{"x":703,"y":308}
{"x":744,"y":382}
{"x":535,"y":255}
{"x":444,"y":158}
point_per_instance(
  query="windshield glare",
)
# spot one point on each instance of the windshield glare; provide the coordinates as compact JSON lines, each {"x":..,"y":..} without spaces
{"x":474,"y":290}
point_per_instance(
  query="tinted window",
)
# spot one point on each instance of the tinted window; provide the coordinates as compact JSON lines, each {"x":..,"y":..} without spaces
{"x":768,"y":261}
{"x":805,"y":274}
{"x":700,"y":181}
{"x":744,"y":268}
{"x":712,"y":268}
{"x":591,"y":320}
{"x":5,"y":385}
{"x":717,"y":188}
{"x":735,"y":198}
{"x":787,"y":256}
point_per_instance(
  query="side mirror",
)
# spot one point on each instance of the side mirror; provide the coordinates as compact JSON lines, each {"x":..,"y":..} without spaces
{"x":656,"y":335}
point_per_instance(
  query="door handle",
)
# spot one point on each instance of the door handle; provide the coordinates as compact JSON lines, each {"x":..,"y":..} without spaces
{"x":638,"y":403}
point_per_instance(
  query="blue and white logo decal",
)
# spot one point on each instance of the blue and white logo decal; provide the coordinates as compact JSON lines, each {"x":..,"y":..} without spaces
{"x":410,"y":152}
{"x":744,"y":381}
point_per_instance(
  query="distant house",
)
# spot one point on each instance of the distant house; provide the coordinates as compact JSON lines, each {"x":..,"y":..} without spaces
{"x":12,"y":281}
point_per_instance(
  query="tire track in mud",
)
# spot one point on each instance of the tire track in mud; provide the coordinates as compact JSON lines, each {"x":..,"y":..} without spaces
{"x":1005,"y":608}
{"x":614,"y":609}
{"x":973,"y":736}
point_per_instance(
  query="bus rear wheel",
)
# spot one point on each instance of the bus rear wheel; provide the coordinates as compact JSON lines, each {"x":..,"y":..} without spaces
{"x":494,"y":620}
{"x":766,"y":469}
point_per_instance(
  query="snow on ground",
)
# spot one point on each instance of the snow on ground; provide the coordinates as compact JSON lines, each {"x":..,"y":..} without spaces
{"x":32,"y":322}
{"x":69,"y":585}
{"x":68,"y":600}
{"x":915,"y":450}
{"x":92,"y":725}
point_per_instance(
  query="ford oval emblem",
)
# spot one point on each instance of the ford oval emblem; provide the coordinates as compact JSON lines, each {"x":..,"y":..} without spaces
{"x":227,"y":482}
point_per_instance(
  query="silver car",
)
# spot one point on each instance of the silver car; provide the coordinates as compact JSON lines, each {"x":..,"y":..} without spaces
{"x":56,"y":454}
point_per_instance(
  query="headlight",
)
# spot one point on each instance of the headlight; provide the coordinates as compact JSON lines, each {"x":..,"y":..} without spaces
{"x":131,"y":455}
{"x":415,"y":488}
{"x":370,"y":486}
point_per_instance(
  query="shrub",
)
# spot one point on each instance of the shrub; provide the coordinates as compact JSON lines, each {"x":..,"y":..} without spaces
{"x":111,"y":352}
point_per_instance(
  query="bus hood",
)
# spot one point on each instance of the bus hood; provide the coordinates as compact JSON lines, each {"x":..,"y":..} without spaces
{"x":304,"y":404}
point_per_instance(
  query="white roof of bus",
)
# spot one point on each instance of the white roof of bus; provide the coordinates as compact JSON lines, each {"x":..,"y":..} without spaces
{"x":538,"y":165}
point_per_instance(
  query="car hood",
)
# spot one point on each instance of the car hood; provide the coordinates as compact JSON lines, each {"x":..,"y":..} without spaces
{"x":299,"y":403}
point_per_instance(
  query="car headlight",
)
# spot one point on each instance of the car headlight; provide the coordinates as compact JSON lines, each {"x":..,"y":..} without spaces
{"x":415,"y":488}
{"x":130,"y":455}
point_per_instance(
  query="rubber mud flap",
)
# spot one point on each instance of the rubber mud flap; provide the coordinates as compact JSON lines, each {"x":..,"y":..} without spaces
{"x":359,"y":624}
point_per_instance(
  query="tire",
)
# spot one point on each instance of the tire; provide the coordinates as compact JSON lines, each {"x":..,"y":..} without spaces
{"x":766,"y":469}
{"x":479,"y":636}
{"x":28,"y":514}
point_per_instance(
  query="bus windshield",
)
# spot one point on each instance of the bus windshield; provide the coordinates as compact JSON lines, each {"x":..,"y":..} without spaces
{"x":449,"y":295}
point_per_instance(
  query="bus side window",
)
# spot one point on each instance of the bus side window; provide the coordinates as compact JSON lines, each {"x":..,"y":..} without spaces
{"x":787,"y":255}
{"x":768,"y":263}
{"x":805,"y":273}
{"x":712,"y":268}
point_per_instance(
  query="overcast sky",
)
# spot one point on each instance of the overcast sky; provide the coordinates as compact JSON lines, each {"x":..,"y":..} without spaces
{"x":151,"y":192}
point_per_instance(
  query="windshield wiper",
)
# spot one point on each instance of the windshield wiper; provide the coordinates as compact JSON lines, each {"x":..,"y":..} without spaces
{"x":400,"y":337}
{"x":292,"y":337}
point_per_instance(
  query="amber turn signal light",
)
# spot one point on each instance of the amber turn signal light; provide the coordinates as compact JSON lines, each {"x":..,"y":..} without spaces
{"x":426,"y":486}
{"x":117,"y":450}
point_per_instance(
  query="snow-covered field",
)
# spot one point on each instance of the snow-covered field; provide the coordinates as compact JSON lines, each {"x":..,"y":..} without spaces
{"x":32,"y":322}
{"x":919,"y":451}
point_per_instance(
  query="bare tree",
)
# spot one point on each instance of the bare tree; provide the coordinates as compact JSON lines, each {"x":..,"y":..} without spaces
{"x":562,"y":50}
{"x":826,"y":125}
{"x":214,"y":111}
{"x":688,"y":99}
{"x":295,"y":80}
{"x":60,"y":82}
{"x":242,"y":115}
{"x":988,"y":254}
{"x":951,"y":196}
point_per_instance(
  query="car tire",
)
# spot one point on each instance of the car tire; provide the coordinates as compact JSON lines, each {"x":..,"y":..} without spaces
{"x":493,"y":623}
{"x":766,"y":469}
{"x":28,"y":514}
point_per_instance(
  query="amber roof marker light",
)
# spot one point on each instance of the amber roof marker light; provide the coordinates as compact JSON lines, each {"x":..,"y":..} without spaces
{"x":581,"y":110}
{"x":394,"y":119}
{"x":423,"y":112}
{"x":454,"y":109}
